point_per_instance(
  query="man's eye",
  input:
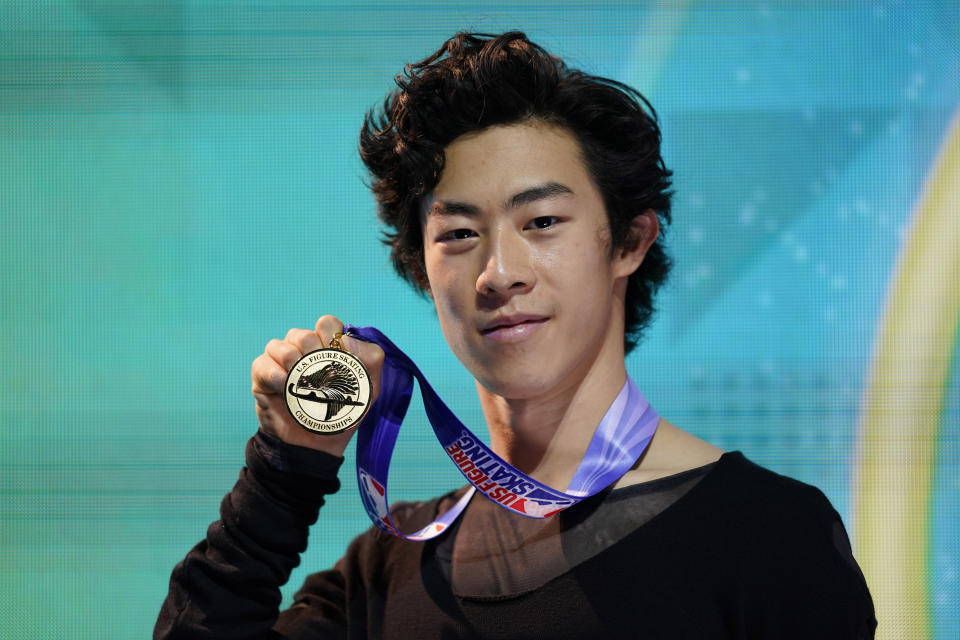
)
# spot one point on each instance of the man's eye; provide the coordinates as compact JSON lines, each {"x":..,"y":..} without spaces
{"x":542,"y":222}
{"x":457,"y":234}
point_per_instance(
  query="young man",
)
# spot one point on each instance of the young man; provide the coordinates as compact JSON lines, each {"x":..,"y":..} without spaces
{"x":527,"y":201}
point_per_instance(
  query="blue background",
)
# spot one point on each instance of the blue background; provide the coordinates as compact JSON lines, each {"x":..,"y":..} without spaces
{"x":169,"y":171}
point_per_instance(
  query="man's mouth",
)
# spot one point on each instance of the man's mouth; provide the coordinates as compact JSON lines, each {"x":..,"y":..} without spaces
{"x":512,"y":328}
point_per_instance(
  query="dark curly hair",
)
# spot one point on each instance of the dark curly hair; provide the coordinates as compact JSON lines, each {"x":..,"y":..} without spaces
{"x":475,"y":81}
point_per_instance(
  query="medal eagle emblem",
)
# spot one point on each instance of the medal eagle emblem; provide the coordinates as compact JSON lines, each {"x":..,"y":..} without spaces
{"x":328,"y":391}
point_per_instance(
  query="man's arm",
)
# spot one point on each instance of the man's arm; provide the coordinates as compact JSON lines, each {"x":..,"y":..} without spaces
{"x":228,"y":585}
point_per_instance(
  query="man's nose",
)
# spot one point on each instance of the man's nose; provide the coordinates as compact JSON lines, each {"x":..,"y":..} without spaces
{"x":509,"y":268}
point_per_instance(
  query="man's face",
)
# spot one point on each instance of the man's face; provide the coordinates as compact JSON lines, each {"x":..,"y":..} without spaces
{"x":517,"y":254}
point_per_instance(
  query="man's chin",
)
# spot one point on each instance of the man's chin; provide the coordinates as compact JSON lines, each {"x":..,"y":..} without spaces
{"x":520,"y":386}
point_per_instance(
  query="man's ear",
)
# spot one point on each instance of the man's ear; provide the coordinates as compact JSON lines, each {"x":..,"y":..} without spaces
{"x":643,"y":232}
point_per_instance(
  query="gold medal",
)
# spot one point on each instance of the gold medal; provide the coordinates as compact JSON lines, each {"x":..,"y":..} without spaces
{"x":328,"y":390}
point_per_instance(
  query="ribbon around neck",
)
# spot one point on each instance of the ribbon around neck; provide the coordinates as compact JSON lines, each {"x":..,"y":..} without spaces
{"x":622,"y":435}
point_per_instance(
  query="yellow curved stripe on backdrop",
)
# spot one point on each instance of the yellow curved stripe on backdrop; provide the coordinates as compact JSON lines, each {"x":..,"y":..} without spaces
{"x":655,"y":42}
{"x":902,"y":407}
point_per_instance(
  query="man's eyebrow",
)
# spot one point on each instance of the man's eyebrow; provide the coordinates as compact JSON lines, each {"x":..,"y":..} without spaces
{"x":539,"y":192}
{"x":452,"y":208}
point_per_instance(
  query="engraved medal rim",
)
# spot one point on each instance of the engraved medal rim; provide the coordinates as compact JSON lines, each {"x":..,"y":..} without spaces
{"x":367,"y":402}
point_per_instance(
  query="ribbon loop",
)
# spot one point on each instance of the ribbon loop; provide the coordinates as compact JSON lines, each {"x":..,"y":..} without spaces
{"x":622,"y":435}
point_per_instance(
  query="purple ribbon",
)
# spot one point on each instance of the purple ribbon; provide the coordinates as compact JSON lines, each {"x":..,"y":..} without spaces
{"x":622,"y":435}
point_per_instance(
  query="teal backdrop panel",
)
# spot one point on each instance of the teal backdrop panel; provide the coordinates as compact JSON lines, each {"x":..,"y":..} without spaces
{"x":179,"y":183}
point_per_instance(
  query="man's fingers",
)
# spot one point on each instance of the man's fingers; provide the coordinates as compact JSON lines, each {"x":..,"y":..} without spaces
{"x":269,"y":370}
{"x":268,"y":375}
{"x":327,"y":327}
{"x":304,"y":340}
{"x":285,"y":353}
{"x":370,"y":353}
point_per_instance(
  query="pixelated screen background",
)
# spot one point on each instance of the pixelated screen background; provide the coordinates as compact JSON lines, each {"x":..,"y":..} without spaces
{"x":179,"y":183}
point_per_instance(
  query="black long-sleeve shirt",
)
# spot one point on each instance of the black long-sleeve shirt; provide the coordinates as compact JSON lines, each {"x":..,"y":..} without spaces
{"x":734,"y":551}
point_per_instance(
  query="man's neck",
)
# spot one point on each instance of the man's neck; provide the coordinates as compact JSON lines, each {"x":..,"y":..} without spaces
{"x":547,"y":436}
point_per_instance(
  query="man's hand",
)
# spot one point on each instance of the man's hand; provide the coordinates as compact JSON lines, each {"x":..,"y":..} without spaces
{"x":269,"y":374}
